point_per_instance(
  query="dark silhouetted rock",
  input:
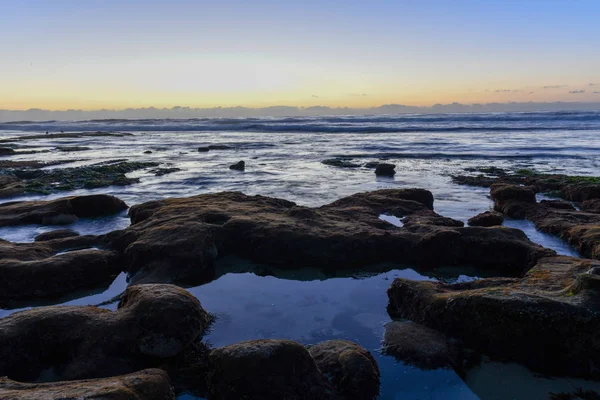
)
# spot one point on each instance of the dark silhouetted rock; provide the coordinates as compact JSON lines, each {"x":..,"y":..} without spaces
{"x":6,"y":151}
{"x":238,"y":166}
{"x":148,"y":384}
{"x":214,"y":147}
{"x":421,"y":346}
{"x":350,"y":369}
{"x":152,"y":324}
{"x":60,"y":211}
{"x":148,"y":152}
{"x":266,"y":370}
{"x":592,"y":206}
{"x":384,"y":169}
{"x":512,"y":200}
{"x":547,"y":320}
{"x":56,"y":234}
{"x":487,"y":219}
{"x":428,"y":217}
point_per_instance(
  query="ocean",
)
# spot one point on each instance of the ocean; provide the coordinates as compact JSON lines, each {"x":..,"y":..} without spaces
{"x":283,"y":159}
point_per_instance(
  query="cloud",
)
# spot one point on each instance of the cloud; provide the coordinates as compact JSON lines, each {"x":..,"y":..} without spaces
{"x":592,"y":84}
{"x":555,"y":86}
{"x":314,"y":95}
{"x":357,"y":94}
{"x":576,"y":91}
{"x":506,"y":91}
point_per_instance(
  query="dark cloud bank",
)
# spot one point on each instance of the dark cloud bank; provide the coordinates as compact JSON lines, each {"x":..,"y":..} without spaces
{"x":286,"y":111}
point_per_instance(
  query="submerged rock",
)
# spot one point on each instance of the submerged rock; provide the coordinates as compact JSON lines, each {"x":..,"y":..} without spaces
{"x":384,"y":169}
{"x":421,"y":346}
{"x":148,"y":384}
{"x":340,"y":162}
{"x":180,"y":238}
{"x":87,"y":177}
{"x":56,"y":234}
{"x":238,"y":166}
{"x":60,"y":211}
{"x":151,"y":324}
{"x":267,"y":370}
{"x":349,"y":368}
{"x":546,"y":320}
{"x":487,"y":219}
{"x":72,"y":148}
{"x":214,"y":147}
{"x":6,"y":151}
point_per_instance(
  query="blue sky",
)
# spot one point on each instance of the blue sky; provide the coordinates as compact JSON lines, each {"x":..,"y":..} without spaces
{"x":114,"y":54}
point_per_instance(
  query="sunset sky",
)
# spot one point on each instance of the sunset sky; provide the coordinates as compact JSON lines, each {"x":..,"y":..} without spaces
{"x":117,"y":54}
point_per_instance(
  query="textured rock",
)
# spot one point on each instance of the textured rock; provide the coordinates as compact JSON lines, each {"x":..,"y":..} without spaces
{"x":546,"y":320}
{"x":266,"y":370}
{"x":421,"y":346}
{"x":486,"y":219}
{"x":56,"y":234}
{"x":66,"y":209}
{"x":148,"y":384}
{"x":177,"y":239}
{"x":152,"y":324}
{"x":512,"y":200}
{"x":350,"y":369}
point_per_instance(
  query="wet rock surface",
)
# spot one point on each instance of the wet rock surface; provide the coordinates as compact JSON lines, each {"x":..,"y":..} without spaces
{"x":350,"y":369}
{"x":148,"y":384}
{"x":341,"y":163}
{"x":486,"y":219}
{"x":421,"y":346}
{"x":214,"y":147}
{"x":287,"y":371}
{"x":152,"y":324}
{"x":238,"y":166}
{"x":39,"y":181}
{"x":546,"y":320}
{"x":60,"y":211}
{"x":178,"y":238}
{"x":56,"y":234}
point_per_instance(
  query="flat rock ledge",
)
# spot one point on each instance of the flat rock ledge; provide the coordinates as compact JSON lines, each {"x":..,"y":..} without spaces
{"x":548,"y":320}
{"x":148,"y":384}
{"x":177,"y":239}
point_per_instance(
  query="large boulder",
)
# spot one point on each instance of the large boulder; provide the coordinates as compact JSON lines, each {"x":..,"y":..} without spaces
{"x":592,"y":206}
{"x":148,"y":384}
{"x":350,"y":368}
{"x":179,"y":239}
{"x":421,"y":346}
{"x":266,"y":370}
{"x":547,"y":320}
{"x":487,"y":219}
{"x":60,"y":211}
{"x":581,"y":192}
{"x":151,"y":324}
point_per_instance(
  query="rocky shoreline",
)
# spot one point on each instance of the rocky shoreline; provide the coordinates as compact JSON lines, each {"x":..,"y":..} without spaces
{"x":541,"y":310}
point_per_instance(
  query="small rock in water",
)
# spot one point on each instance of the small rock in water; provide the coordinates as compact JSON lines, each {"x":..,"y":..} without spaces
{"x":148,"y":152}
{"x":5,"y":151}
{"x":239,"y":166}
{"x":384,"y":169}
{"x":487,"y":219}
{"x":340,"y":162}
{"x":214,"y":147}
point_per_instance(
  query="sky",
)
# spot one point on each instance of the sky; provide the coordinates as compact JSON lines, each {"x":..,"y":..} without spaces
{"x":118,"y":54}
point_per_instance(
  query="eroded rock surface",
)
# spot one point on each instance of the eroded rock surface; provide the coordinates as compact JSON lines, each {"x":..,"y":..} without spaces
{"x":487,"y":219}
{"x":178,"y":238}
{"x":421,"y":346}
{"x":349,"y":368}
{"x":546,"y":320}
{"x":151,"y":324}
{"x":148,"y":384}
{"x":63,"y":210}
{"x":267,"y":370}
